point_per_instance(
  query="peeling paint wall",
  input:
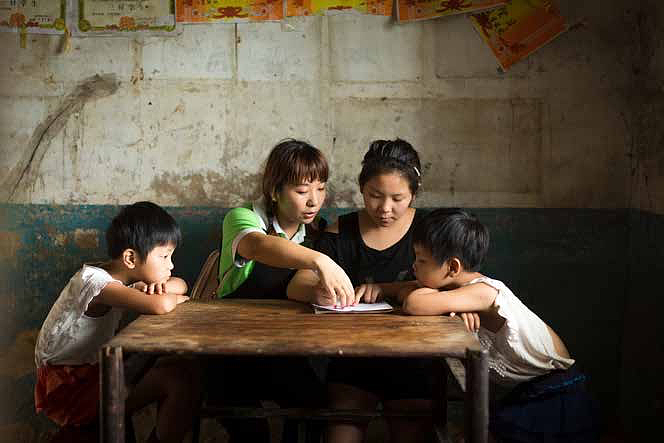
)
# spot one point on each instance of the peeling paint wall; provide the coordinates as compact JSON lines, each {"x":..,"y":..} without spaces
{"x":550,"y":154}
{"x":176,"y":119}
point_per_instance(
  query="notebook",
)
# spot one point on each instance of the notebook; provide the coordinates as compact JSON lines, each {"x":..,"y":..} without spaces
{"x":360,"y":308}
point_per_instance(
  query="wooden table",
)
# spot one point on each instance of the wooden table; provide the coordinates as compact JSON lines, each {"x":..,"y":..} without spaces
{"x":280,"y":328}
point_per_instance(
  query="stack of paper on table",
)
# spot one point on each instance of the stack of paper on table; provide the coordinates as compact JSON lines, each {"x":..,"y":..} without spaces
{"x":366,"y":308}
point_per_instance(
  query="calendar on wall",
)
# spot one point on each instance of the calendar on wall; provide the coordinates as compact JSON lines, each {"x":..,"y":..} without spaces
{"x":410,"y":10}
{"x":38,"y":16}
{"x":118,"y":16}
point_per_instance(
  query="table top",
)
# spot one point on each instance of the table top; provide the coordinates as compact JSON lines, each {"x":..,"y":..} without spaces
{"x":284,"y":327}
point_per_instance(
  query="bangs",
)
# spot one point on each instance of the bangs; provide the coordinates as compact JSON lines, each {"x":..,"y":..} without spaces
{"x":160,"y":232}
{"x":291,"y":162}
{"x":169,"y":236}
{"x":307,"y":166}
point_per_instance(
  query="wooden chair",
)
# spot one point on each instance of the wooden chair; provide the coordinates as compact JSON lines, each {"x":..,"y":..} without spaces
{"x":207,"y":282}
{"x":205,"y":288}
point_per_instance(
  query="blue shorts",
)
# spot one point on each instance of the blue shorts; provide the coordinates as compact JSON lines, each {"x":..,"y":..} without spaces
{"x":552,"y":408}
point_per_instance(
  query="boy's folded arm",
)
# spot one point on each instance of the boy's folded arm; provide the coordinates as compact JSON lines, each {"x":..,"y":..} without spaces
{"x":175,"y":285}
{"x":404,"y":289}
{"x":120,"y":296}
{"x":472,"y":298}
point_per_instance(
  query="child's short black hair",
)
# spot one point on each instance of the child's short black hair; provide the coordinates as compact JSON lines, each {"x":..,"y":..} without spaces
{"x":141,"y":227}
{"x":449,"y":233}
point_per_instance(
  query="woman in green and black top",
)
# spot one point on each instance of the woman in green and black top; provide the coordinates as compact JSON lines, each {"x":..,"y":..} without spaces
{"x":262,"y":241}
{"x":262,"y":247}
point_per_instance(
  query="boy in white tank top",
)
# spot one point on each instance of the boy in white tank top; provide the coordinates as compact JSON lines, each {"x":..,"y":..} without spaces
{"x":548,"y":401}
{"x":137,"y":277}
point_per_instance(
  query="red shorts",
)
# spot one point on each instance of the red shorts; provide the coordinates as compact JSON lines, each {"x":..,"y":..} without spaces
{"x":68,"y":395}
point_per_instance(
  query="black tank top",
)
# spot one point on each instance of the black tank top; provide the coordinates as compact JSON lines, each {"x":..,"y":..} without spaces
{"x":364,"y":264}
{"x":268,"y":282}
{"x":264,"y":282}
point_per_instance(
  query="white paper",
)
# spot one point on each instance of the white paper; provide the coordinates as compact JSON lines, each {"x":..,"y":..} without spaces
{"x":360,"y":307}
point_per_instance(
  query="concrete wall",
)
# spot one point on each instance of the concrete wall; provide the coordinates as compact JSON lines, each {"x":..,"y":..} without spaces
{"x":545,"y":153}
{"x":178,"y":118}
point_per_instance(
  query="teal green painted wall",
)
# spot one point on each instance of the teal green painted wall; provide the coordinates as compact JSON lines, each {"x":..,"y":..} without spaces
{"x":572,"y":267}
{"x":642,"y":393}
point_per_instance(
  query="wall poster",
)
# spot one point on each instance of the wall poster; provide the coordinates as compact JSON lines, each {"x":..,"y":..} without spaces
{"x":519,"y":28}
{"x":411,"y":10}
{"x":201,"y":11}
{"x":319,"y":7}
{"x":34,"y":16}
{"x":109,"y":16}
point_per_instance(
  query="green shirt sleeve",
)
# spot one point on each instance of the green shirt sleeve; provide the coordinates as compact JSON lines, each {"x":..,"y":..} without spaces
{"x":233,"y":271}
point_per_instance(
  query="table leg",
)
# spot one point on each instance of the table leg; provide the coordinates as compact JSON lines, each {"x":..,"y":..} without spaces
{"x":112,"y":395}
{"x":440,"y":401}
{"x":477,"y":396}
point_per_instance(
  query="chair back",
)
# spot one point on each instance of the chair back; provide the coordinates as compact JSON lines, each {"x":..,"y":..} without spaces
{"x":207,"y":282}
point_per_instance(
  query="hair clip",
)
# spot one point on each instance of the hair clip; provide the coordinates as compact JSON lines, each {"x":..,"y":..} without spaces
{"x":417,"y":171}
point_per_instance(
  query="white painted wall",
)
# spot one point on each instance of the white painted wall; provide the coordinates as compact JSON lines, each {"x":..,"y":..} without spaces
{"x":194,"y":115}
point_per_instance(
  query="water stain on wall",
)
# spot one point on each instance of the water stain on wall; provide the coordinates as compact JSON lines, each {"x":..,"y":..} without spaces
{"x":86,"y":238}
{"x":18,"y":359}
{"x":25,"y":173}
{"x":210,"y":188}
{"x":10,"y":243}
{"x":340,"y":198}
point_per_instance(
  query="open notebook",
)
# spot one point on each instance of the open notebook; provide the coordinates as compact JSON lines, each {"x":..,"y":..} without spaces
{"x":366,"y":308}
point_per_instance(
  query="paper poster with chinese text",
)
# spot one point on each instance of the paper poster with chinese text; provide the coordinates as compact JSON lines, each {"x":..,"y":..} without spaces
{"x":201,"y":11}
{"x":519,"y":28}
{"x":34,"y":16}
{"x":410,"y":10}
{"x":104,"y":16}
{"x":319,"y":7}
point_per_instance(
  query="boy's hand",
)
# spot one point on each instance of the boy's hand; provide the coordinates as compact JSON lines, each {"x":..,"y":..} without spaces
{"x":155,"y":288}
{"x":180,"y":298}
{"x":140,"y":286}
{"x":470,"y":319}
{"x":368,"y":292}
{"x":152,"y":288}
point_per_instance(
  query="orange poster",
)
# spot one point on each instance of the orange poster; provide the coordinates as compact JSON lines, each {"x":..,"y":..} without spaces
{"x":319,"y":7}
{"x":199,"y":11}
{"x":519,"y":28}
{"x":411,"y":10}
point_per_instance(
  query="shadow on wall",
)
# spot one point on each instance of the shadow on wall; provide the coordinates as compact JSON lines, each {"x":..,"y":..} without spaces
{"x":642,"y":399}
